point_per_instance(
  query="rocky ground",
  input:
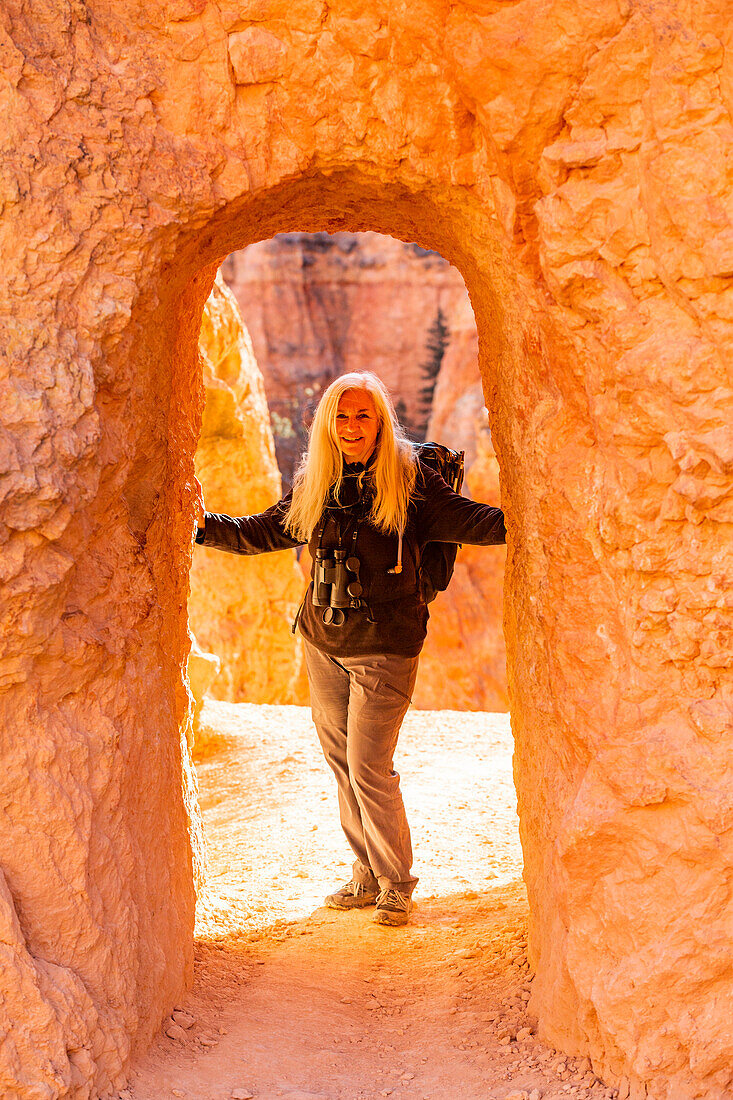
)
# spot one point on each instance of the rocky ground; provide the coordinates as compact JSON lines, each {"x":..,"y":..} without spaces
{"x":296,"y":1001}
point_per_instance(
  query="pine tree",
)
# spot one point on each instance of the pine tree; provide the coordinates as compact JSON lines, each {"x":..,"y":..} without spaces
{"x":437,"y":342}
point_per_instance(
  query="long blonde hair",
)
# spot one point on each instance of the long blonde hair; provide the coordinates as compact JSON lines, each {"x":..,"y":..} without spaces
{"x":393,"y":466}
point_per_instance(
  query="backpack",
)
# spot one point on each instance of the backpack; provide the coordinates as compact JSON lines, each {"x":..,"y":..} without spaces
{"x":438,"y":558}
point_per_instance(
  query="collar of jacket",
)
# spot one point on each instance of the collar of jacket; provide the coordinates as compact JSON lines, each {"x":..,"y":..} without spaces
{"x":356,"y":492}
{"x":359,"y":467}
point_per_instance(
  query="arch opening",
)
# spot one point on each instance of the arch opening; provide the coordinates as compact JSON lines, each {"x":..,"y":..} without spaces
{"x":241,"y":608}
{"x":226,"y":908}
{"x":312,"y":307}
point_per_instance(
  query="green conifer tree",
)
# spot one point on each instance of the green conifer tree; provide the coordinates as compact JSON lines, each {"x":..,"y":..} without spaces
{"x":436,"y":344}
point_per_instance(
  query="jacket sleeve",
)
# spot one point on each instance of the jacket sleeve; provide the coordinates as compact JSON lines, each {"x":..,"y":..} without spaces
{"x":248,"y":534}
{"x":445,"y":516}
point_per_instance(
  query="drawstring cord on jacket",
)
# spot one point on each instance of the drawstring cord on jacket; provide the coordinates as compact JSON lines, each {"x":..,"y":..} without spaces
{"x":397,"y":568}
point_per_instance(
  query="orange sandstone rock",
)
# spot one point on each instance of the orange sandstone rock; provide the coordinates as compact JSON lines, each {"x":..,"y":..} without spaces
{"x":241,"y":608}
{"x":203,"y":667}
{"x":573,"y":160}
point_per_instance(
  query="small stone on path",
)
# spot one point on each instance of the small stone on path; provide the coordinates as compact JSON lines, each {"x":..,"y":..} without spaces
{"x":174,"y":1031}
{"x":242,"y":1094}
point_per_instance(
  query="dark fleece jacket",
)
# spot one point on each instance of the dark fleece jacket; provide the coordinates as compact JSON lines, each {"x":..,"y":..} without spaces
{"x":394,"y":618}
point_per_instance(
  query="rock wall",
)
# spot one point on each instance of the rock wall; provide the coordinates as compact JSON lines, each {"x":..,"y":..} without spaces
{"x":202,"y":669}
{"x":458,"y":414}
{"x":573,"y":160}
{"x":241,"y":608}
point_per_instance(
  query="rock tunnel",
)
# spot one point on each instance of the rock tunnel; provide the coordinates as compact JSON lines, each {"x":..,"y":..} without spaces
{"x":572,"y":160}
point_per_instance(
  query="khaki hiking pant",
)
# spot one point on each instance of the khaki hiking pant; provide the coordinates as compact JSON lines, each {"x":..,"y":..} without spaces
{"x":358,"y":704}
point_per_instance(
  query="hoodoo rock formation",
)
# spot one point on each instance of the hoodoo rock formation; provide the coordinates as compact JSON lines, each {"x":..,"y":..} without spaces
{"x":241,"y":608}
{"x":319,"y":305}
{"x":458,"y":415}
{"x":573,"y":160}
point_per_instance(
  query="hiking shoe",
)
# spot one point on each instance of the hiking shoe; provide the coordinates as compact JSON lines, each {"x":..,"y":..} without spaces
{"x":393,"y":908}
{"x":354,"y":895}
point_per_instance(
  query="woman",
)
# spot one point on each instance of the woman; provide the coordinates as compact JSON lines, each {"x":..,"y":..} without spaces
{"x":366,"y":508}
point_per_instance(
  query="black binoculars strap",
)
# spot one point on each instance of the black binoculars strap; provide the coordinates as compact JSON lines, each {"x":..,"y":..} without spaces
{"x":337,"y":615}
{"x":339,"y":534}
{"x":299,"y":612}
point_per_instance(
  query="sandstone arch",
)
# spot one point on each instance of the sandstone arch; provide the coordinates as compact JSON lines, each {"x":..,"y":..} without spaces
{"x":570,"y":160}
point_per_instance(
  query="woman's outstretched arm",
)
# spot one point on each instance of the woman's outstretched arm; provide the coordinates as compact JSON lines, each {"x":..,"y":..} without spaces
{"x":258,"y":534}
{"x":445,"y":516}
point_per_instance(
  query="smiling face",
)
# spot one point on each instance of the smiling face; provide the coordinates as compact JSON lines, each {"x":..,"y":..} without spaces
{"x":357,"y":425}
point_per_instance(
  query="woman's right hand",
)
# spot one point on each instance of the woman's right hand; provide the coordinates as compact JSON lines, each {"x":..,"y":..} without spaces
{"x":200,"y":512}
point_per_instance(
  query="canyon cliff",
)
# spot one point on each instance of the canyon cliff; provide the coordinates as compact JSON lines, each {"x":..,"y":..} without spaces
{"x":241,"y":608}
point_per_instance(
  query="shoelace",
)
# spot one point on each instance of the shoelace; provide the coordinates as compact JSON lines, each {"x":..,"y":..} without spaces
{"x":356,"y":888}
{"x":398,"y":900}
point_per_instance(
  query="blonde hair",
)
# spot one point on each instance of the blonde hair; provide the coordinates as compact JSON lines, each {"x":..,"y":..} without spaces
{"x":393,"y":466}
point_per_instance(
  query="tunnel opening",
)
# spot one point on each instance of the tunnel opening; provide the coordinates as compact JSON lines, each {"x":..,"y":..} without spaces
{"x":319,"y":206}
{"x":352,"y":203}
{"x":314,"y":306}
{"x":308,"y":326}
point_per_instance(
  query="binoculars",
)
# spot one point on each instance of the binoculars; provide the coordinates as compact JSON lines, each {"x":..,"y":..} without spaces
{"x":336,"y":584}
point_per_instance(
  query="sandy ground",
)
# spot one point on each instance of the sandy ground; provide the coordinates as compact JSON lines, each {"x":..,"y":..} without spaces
{"x":297,"y":1001}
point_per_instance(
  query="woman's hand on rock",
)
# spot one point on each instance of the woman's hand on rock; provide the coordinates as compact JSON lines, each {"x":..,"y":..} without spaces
{"x":199,"y":500}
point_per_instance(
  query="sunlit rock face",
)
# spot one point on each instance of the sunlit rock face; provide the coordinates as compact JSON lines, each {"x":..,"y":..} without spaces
{"x":241,"y":607}
{"x":319,"y":306}
{"x":203,"y":667}
{"x":573,"y":161}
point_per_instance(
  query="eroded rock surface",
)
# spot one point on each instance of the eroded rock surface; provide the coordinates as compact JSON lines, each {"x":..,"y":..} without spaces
{"x":203,"y":668}
{"x":573,"y":160}
{"x":241,"y":608}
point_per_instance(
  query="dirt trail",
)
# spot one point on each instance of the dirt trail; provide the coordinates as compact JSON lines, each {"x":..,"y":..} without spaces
{"x":296,"y":1001}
